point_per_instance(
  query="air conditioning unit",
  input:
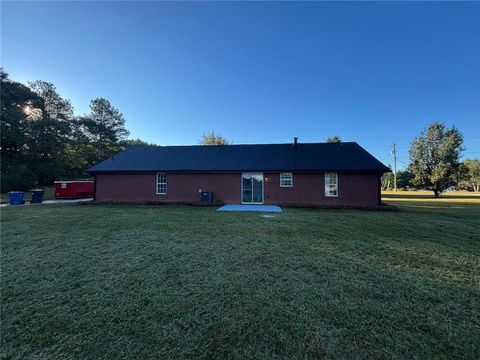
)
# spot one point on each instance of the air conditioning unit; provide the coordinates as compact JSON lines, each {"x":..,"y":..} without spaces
{"x":206,"y":197}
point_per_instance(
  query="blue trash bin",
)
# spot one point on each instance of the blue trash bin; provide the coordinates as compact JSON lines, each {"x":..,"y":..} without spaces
{"x":16,"y":197}
{"x":37,"y":196}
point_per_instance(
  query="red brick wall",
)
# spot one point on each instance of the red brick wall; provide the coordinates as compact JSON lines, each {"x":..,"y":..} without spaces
{"x":354,"y":189}
{"x":180,"y":187}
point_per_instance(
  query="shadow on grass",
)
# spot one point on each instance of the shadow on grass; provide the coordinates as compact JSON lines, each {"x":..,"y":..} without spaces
{"x":410,"y":196}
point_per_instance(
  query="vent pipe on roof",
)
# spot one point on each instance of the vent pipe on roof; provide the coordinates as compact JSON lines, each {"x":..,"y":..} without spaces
{"x":295,"y":142}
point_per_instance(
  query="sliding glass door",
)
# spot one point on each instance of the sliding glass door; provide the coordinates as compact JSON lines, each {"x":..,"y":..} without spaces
{"x":252,"y":188}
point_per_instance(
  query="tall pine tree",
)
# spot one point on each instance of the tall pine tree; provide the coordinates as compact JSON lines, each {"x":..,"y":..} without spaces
{"x":105,"y":127}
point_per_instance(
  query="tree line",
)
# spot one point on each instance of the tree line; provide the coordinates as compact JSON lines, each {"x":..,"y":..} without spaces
{"x":435,"y":163}
{"x":42,"y":140}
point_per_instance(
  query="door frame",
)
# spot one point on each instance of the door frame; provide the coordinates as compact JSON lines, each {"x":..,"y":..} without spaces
{"x":241,"y":188}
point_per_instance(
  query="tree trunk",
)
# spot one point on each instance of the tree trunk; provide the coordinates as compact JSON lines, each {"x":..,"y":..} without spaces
{"x":436,"y":193}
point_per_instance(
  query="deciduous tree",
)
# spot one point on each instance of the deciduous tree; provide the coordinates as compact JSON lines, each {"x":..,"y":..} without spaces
{"x":19,"y":111}
{"x":135,"y":142}
{"x":387,"y":181}
{"x":404,"y":179}
{"x":334,"y":139}
{"x":472,"y":176}
{"x":42,"y":140}
{"x":434,"y":158}
{"x":210,"y":138}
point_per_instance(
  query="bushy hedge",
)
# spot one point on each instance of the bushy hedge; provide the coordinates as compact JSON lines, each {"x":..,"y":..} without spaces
{"x":18,"y":178}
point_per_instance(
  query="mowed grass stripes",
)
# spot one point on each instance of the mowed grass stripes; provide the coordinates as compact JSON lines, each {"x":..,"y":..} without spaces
{"x":176,"y":282}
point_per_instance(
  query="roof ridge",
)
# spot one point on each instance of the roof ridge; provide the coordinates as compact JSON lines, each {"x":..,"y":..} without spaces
{"x":264,"y":144}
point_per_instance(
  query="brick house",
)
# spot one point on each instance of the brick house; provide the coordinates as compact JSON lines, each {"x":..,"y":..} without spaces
{"x":338,"y":174}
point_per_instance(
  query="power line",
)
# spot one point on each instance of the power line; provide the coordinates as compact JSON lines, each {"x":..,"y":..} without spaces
{"x":384,"y":158}
{"x":403,"y":162}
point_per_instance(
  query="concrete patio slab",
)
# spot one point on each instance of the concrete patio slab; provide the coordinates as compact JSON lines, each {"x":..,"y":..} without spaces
{"x":263,"y":208}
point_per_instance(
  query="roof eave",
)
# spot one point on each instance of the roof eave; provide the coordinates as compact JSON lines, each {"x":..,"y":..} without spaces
{"x":351,"y":171}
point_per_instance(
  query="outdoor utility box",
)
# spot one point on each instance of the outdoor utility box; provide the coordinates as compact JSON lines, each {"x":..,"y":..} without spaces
{"x":16,"y":197}
{"x":206,"y":197}
{"x":73,"y":189}
{"x":37,"y":196}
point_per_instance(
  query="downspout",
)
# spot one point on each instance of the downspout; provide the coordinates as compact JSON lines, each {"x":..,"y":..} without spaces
{"x":94,"y":187}
{"x":379,"y":189}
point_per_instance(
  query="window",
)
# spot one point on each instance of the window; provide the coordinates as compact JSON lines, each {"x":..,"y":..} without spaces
{"x":286,"y":180}
{"x":331,"y":184}
{"x":161,"y":184}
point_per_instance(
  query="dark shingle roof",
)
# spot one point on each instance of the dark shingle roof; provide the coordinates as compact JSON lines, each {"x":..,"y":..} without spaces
{"x":307,"y":157}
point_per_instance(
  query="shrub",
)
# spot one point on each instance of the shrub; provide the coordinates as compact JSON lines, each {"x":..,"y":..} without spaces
{"x":18,"y":178}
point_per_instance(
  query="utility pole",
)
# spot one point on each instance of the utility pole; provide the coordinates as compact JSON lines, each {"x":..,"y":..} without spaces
{"x":394,"y":152}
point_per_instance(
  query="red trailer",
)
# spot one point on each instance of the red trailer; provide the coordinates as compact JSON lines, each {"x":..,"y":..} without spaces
{"x":73,"y":189}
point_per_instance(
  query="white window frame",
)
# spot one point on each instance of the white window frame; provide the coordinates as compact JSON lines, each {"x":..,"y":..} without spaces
{"x":283,"y":181}
{"x":161,"y":181}
{"x":328,"y":184}
{"x":247,"y":175}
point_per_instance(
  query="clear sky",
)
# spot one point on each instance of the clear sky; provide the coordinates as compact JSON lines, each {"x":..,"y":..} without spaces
{"x":375,"y":73}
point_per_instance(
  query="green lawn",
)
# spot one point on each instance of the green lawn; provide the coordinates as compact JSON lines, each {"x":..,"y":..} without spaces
{"x":176,"y":282}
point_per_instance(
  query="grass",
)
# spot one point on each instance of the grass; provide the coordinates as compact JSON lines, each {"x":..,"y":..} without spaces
{"x":464,"y":197}
{"x":49,"y":194}
{"x":176,"y":282}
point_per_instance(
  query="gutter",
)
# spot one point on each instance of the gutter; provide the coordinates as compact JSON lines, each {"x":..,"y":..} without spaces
{"x":359,"y":171}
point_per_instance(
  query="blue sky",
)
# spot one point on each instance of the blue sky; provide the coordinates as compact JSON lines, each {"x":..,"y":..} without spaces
{"x":375,"y":73}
